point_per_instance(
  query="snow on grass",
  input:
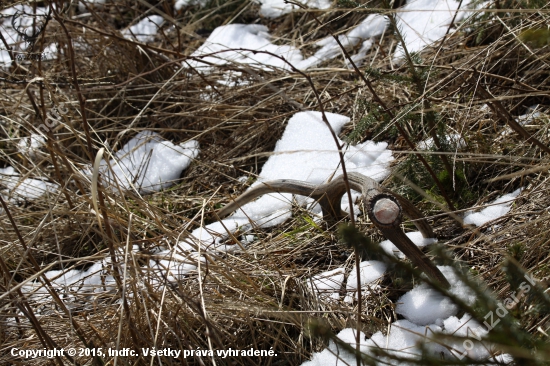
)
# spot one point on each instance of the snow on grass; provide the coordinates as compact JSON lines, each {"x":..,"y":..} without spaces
{"x":180,"y":4}
{"x":427,"y":314}
{"x":30,"y":146}
{"x":465,"y":327}
{"x":225,"y":42}
{"x":145,"y":30}
{"x":175,"y":266}
{"x":19,"y":189}
{"x":372,"y":26}
{"x":235,"y":43}
{"x":327,"y":284}
{"x":423,"y":305}
{"x":94,"y":280}
{"x":415,"y":236}
{"x":50,"y":51}
{"x":335,"y":354}
{"x":453,"y":139}
{"x":404,"y":340}
{"x":423,"y":22}
{"x":313,"y":159}
{"x":276,"y":8}
{"x":370,"y":271}
{"x":533,"y":113}
{"x":268,"y":8}
{"x":147,"y":163}
{"x":498,"y":208}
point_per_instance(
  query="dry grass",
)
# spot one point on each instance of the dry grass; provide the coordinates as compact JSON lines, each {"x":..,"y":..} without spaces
{"x":257,"y":297}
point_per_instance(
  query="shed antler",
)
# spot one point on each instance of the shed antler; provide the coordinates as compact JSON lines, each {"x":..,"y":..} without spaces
{"x":384,"y":208}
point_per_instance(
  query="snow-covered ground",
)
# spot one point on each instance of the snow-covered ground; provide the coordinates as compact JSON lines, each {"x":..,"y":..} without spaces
{"x":147,"y":163}
{"x":236,"y":43}
{"x":268,"y":9}
{"x":145,"y":30}
{"x":30,"y":146}
{"x":422,"y":22}
{"x":496,"y":209}
{"x":429,"y":316}
{"x":313,"y":159}
{"x":19,"y":188}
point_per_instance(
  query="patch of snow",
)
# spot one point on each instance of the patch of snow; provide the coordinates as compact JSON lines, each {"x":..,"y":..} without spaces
{"x":276,"y":8}
{"x":532,"y":114}
{"x":147,"y":162}
{"x":246,"y":239}
{"x":180,"y":4}
{"x":404,"y":338}
{"x":361,"y":54}
{"x":499,"y":207}
{"x":232,"y":78}
{"x":5,"y":59}
{"x":336,"y":355}
{"x":313,"y":159}
{"x":453,"y":139}
{"x":415,"y":236}
{"x":402,"y":341}
{"x":227,"y":40}
{"x":30,"y":146}
{"x":28,"y":188}
{"x":465,"y":327}
{"x":422,"y":22}
{"x":424,"y":305}
{"x":175,"y":266}
{"x":145,"y":30}
{"x":370,"y":271}
{"x":372,"y":26}
{"x":327,"y":284}
{"x":50,"y":52}
{"x":268,"y":9}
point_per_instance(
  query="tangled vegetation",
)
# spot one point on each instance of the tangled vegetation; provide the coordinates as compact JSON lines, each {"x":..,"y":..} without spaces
{"x":464,"y":93}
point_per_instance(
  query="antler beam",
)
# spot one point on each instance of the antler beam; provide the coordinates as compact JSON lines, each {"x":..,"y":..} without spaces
{"x":384,"y":208}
